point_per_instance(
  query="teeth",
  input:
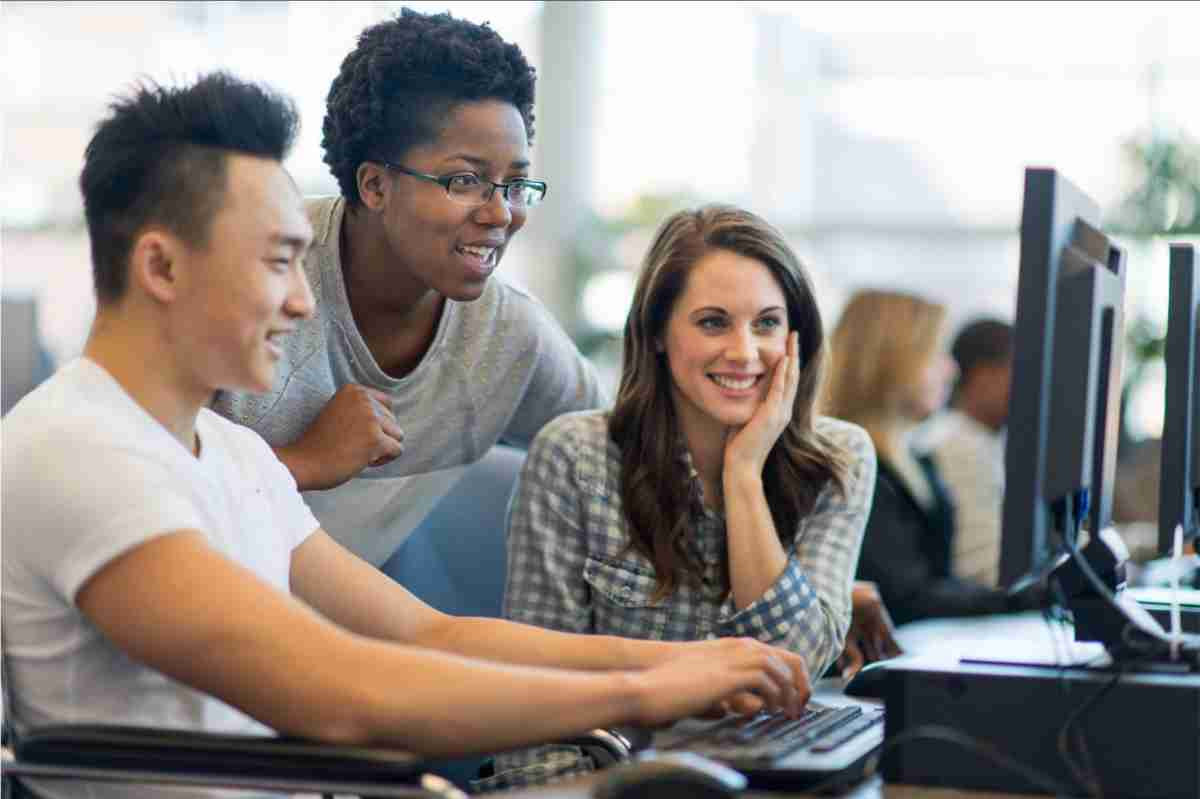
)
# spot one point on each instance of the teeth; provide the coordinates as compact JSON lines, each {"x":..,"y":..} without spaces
{"x":484,"y":253}
{"x":729,"y":382}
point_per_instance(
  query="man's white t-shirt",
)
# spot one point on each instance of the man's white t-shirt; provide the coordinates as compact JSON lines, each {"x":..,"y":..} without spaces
{"x":88,"y":475}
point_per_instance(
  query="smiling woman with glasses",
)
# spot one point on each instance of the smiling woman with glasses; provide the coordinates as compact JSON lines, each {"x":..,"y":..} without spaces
{"x":418,"y":360}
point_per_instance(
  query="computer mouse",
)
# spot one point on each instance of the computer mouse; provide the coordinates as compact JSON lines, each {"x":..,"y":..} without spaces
{"x":670,"y":775}
{"x":870,"y":682}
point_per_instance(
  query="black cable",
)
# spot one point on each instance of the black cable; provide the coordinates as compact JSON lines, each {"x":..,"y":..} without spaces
{"x":1051,"y":619}
{"x":1120,"y":670}
{"x":1072,"y":545}
{"x":938,"y":732}
{"x":1059,"y":602}
{"x":1084,"y":772}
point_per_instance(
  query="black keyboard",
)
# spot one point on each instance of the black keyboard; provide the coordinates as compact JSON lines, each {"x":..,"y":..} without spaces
{"x":765,"y":738}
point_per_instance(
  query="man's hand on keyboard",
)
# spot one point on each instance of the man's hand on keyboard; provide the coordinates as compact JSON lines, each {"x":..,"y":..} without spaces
{"x":743,"y":704}
{"x":739,"y":674}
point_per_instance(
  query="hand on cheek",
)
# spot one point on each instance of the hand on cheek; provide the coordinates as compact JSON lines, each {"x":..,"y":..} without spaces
{"x":748,"y":447}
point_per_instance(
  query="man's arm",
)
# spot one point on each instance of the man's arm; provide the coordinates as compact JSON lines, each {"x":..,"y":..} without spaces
{"x":185,"y":610}
{"x":354,"y":594}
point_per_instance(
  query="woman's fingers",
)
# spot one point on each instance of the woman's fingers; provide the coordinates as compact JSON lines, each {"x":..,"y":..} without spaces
{"x":793,"y":370}
{"x":780,"y":379}
{"x":782,"y":393}
{"x":784,"y":384}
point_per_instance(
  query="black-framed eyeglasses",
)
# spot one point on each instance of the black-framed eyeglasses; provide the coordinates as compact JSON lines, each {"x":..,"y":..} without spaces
{"x":467,"y":188}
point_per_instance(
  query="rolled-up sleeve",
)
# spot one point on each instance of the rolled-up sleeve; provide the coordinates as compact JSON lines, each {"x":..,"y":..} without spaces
{"x":807,"y":608}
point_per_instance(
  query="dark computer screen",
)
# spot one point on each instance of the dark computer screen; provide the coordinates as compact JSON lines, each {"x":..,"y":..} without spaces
{"x":1060,"y":458}
{"x":1179,"y":481}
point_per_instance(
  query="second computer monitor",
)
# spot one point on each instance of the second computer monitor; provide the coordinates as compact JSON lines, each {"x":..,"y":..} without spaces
{"x":1179,"y":481}
{"x":1067,"y":351}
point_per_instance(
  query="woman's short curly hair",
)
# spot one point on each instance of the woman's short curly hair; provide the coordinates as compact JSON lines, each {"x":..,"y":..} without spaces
{"x":404,"y":77}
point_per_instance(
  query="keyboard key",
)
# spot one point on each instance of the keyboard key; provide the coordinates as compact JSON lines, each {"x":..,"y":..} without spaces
{"x":850,"y":731}
{"x":766,"y":737}
{"x":803,"y":736}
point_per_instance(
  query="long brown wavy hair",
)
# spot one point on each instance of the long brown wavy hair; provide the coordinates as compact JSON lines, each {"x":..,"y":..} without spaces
{"x":644,"y":424}
{"x":881,"y":344}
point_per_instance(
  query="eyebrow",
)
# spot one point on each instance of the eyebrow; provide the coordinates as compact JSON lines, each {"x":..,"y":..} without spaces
{"x":482,"y":163}
{"x":712,"y":308}
{"x":290,"y":240}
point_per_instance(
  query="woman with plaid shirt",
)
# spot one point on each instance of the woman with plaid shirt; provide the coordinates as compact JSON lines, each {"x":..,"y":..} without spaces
{"x":711,"y":501}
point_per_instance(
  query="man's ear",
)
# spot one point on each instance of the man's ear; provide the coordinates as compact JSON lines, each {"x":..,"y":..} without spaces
{"x":373,"y":182}
{"x":156,"y":264}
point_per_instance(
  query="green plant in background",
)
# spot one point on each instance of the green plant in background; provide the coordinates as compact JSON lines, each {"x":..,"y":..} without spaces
{"x":1144,"y":346}
{"x":1165,"y":197}
{"x":1163,"y":200}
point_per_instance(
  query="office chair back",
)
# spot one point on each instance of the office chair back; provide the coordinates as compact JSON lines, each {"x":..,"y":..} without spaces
{"x":456,"y":559}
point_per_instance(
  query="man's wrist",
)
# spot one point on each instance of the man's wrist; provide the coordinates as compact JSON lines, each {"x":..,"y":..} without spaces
{"x":630,"y":691}
{"x":639,"y":654}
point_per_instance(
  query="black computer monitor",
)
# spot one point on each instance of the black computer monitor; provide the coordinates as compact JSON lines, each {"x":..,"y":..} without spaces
{"x":1060,"y":455}
{"x":1179,"y":480}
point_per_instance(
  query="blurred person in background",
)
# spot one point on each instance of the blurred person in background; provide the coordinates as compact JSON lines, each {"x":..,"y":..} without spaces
{"x":889,"y":372}
{"x":417,"y":360}
{"x":967,"y":442}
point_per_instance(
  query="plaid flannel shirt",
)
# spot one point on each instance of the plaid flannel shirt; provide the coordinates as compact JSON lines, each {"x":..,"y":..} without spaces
{"x":569,"y":570}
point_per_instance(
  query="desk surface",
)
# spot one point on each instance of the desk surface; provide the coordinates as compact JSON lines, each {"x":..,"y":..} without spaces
{"x":873,"y":788}
{"x":950,"y":639}
{"x":1015,"y":636}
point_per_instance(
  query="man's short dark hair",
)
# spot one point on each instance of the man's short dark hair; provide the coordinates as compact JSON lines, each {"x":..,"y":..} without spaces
{"x":159,"y":158}
{"x":404,"y":77}
{"x":983,"y":341}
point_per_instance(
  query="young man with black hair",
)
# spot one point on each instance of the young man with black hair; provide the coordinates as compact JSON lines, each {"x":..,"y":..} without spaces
{"x":160,"y":567}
